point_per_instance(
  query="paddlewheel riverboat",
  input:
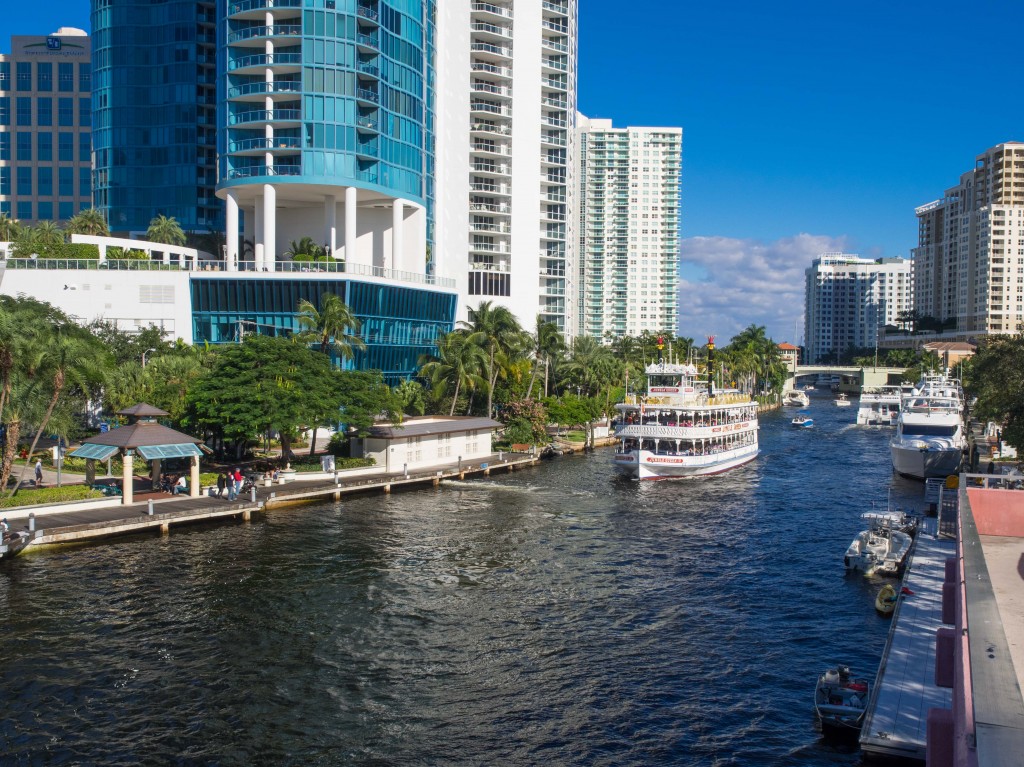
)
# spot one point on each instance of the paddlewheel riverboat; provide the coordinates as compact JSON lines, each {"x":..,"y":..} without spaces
{"x":682,"y":428}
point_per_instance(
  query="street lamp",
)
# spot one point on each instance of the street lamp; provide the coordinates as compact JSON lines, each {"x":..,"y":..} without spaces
{"x":144,"y":356}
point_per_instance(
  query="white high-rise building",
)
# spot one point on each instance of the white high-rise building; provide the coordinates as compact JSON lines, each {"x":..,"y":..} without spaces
{"x":848,"y":300}
{"x":505,"y":228}
{"x":629,"y":182}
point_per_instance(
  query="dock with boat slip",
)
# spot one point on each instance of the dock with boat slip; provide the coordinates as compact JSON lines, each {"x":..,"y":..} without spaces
{"x":73,"y":526}
{"x":905,"y":689}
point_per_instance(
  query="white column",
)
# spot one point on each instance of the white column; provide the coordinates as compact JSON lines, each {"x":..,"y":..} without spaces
{"x":351,"y":256}
{"x":257,"y":248}
{"x":269,"y":227}
{"x":126,"y":478}
{"x":193,"y":484}
{"x":331,"y":223}
{"x":231,"y":217}
{"x":397,"y":243}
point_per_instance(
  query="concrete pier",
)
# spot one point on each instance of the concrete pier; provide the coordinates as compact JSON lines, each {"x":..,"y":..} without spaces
{"x":113,"y":520}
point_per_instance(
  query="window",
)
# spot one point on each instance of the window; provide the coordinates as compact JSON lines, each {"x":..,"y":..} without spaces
{"x":24,"y":184}
{"x":65,"y":182}
{"x":5,"y":146}
{"x":5,"y":110}
{"x":84,"y":78}
{"x":44,"y":111}
{"x":46,"y":211}
{"x":44,"y":76}
{"x":44,"y":147}
{"x":66,"y":73}
{"x":66,"y":147}
{"x":84,"y":183}
{"x":24,"y":147}
{"x":5,"y":182}
{"x":5,"y":75}
{"x":24,"y":115}
{"x":84,"y":147}
{"x":24,"y":73}
{"x":65,"y":112}
{"x":24,"y":210}
{"x":65,"y":210}
{"x":84,"y":112}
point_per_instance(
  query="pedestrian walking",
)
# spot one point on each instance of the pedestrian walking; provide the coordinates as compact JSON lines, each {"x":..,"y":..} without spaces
{"x":235,"y":485}
{"x":39,"y":472}
{"x":222,"y":483}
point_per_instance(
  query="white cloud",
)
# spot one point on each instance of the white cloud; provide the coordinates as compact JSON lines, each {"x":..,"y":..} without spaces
{"x":728,"y":284}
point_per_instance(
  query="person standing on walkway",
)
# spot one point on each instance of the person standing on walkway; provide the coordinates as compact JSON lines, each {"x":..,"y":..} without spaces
{"x":39,"y":472}
{"x":222,"y":482}
{"x":234,"y":484}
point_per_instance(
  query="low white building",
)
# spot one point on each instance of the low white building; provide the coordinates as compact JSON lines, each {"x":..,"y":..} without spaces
{"x":419,"y":443}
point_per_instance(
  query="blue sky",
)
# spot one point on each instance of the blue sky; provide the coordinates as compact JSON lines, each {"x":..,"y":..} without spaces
{"x":808,"y":126}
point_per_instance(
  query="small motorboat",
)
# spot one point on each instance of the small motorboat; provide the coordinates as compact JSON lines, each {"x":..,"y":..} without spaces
{"x":882,"y":549}
{"x":796,"y":398}
{"x":885,"y":602}
{"x":842,"y":401}
{"x":803,"y":422}
{"x":840,"y":701}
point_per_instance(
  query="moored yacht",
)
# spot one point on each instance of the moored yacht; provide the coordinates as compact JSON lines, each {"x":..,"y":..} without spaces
{"x":880,"y":406}
{"x":682,"y":428}
{"x":930,"y":440}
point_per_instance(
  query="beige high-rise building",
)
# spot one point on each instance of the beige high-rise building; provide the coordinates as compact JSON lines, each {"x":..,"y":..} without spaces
{"x":45,"y":127}
{"x":969,"y":260}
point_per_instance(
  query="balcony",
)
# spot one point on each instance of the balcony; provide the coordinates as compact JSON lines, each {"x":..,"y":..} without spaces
{"x":488,"y":188}
{"x":365,"y":94}
{"x":497,"y":90}
{"x":490,"y":168}
{"x":282,"y":62}
{"x":256,"y":9}
{"x":490,"y":9}
{"x":367,"y":42}
{"x":369,"y":14}
{"x":499,"y":227}
{"x":263,"y":144}
{"x":253,"y":171}
{"x":491,"y":69}
{"x":257,"y":91}
{"x":555,"y":64}
{"x":280,"y":117}
{"x":554,"y":45}
{"x":491,"y":51}
{"x":502,"y":209}
{"x":488,"y":148}
{"x":486,"y":128}
{"x":366,"y":124}
{"x":255,"y":36}
{"x":493,"y":32}
{"x":559,"y":9}
{"x":489,"y":247}
{"x":484,"y":107}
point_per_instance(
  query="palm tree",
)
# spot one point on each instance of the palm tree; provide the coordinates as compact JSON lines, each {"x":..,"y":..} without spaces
{"x":328,"y":326}
{"x":48,"y":235}
{"x":70,"y":360}
{"x":587,"y":362}
{"x":304,"y":247}
{"x":9,"y":228}
{"x":410,"y":393}
{"x":88,"y":221}
{"x":497,"y":331}
{"x":458,"y":358}
{"x":166,"y":230}
{"x":547,"y":343}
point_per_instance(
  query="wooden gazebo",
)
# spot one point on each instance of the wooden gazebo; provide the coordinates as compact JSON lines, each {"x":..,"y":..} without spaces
{"x":144,"y":437}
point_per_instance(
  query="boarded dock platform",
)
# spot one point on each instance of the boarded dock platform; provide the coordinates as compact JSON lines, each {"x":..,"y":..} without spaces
{"x":65,"y":527}
{"x":896,"y":720}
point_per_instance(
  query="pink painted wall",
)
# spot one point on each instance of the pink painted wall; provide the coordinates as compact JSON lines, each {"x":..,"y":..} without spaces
{"x":997,"y":512}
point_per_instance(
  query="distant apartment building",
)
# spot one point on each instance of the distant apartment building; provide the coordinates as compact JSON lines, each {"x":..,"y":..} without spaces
{"x":969,"y":260}
{"x":629,"y":192}
{"x":848,"y":300}
{"x":506,"y":216}
{"x":45,"y":133}
{"x":155,"y":106}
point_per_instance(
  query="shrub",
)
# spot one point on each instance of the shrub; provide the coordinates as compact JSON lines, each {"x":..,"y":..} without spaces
{"x":302,"y":257}
{"x":30,"y":497}
{"x":83,"y":251}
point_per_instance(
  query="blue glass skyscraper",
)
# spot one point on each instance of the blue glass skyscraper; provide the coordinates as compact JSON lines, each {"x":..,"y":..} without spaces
{"x":154,"y":113}
{"x":324,"y":115}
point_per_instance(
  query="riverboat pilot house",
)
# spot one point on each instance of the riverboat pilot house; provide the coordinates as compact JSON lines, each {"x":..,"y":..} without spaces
{"x":418,"y":443}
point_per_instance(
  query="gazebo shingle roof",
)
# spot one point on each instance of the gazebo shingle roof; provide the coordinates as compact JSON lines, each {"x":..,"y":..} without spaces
{"x":143,"y":434}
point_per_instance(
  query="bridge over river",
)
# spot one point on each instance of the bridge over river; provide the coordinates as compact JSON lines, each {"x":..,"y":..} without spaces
{"x":852,"y":378}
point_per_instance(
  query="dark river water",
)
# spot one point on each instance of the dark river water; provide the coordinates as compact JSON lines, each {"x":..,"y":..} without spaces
{"x":553,"y":616}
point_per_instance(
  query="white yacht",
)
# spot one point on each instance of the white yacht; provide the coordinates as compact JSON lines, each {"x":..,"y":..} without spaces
{"x":930,"y":438}
{"x":880,"y":406}
{"x":681,"y":429}
{"x":796,"y":398}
